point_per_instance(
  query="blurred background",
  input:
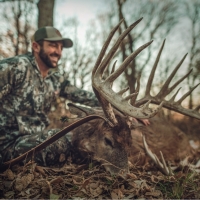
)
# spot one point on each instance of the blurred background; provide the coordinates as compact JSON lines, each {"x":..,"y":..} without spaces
{"x":88,"y":24}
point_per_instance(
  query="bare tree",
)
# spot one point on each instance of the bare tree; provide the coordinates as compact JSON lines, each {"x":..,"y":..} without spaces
{"x":158,"y":21}
{"x":78,"y":61}
{"x":192,"y":12}
{"x":45,"y":12}
{"x":16,"y":36}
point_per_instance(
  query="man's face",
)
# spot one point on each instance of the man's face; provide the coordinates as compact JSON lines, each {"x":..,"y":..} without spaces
{"x":50,"y":53}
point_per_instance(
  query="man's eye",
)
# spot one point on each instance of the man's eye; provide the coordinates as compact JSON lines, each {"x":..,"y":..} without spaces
{"x":53,"y":45}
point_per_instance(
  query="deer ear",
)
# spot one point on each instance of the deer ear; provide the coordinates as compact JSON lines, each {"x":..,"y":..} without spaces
{"x":80,"y":111}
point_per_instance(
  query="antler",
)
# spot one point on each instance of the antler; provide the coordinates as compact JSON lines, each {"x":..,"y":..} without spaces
{"x":103,"y":88}
{"x":165,"y":90}
{"x":161,"y":165}
{"x":53,"y":138}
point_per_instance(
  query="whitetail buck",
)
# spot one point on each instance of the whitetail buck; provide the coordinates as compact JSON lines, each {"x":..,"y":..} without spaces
{"x":121,"y":139}
{"x":113,"y":137}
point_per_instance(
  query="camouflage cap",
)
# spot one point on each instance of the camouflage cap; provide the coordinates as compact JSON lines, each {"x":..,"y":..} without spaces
{"x":50,"y":33}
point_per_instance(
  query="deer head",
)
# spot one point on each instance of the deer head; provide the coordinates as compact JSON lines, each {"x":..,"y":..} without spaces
{"x":100,"y":137}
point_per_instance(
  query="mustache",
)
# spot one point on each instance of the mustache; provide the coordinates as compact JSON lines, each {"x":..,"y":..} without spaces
{"x":55,"y":54}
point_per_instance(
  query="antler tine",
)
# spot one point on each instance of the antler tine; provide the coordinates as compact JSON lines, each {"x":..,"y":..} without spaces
{"x":98,"y":71}
{"x":130,"y":96}
{"x":136,"y":91}
{"x":174,"y":96}
{"x":112,"y":51}
{"x":151,"y":77}
{"x":113,"y":69}
{"x":165,"y":90}
{"x":121,"y":92}
{"x":172,"y":105}
{"x":103,"y":88}
{"x":187,"y":94}
{"x":122,"y":67}
{"x":104,"y":48}
{"x":176,"y":83}
{"x":161,"y":165}
{"x":197,"y":108}
{"x":167,"y":82}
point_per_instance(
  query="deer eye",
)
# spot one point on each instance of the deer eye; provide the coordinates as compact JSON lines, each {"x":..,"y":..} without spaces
{"x":108,"y":142}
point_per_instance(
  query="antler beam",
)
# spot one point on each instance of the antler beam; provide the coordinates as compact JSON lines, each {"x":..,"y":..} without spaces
{"x":103,"y":88}
{"x":165,"y":90}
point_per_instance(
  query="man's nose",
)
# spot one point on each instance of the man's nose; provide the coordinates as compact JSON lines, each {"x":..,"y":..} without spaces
{"x":59,"y":50}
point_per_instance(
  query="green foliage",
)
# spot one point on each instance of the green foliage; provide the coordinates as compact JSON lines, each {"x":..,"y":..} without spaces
{"x":185,"y":185}
{"x":54,"y":196}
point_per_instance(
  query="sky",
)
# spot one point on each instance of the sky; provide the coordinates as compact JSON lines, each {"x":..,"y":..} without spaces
{"x":87,"y":10}
{"x":84,"y":10}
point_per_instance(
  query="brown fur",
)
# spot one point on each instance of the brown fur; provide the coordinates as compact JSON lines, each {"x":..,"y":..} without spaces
{"x":117,"y":145}
{"x":160,"y":135}
{"x":104,"y":143}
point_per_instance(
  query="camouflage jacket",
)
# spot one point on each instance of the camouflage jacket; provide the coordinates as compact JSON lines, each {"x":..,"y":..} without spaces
{"x":26,"y":97}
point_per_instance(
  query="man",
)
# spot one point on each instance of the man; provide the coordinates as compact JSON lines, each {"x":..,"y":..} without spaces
{"x":28,"y":86}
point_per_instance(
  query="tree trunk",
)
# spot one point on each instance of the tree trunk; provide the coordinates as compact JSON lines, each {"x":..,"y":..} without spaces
{"x":130,"y":73}
{"x":45,"y":13}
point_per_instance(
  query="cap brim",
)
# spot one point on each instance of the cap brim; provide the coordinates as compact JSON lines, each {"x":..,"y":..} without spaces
{"x":67,"y":43}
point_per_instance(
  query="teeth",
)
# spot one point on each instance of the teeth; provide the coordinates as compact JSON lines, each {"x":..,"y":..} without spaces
{"x":54,"y":58}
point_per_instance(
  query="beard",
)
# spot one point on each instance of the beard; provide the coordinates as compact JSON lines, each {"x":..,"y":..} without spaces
{"x":46,"y":59}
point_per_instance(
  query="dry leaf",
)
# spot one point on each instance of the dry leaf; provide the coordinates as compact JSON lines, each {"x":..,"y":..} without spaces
{"x":85,"y":183}
{"x":120,"y":194}
{"x":138,"y":183}
{"x":76,"y":183}
{"x":94,"y":185}
{"x":114,"y":195}
{"x":155,"y":193}
{"x":154,"y":179}
{"x":9,"y":174}
{"x":19,"y":184}
{"x":40,"y":170}
{"x":9,"y":195}
{"x":96,"y":192}
{"x":131,"y":175}
{"x":57,"y":180}
{"x":23,"y":182}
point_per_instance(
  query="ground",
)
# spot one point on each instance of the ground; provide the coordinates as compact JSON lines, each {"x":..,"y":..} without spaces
{"x":91,"y":181}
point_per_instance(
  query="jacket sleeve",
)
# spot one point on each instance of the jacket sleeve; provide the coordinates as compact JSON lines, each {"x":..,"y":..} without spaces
{"x":78,"y":95}
{"x":11,"y":76}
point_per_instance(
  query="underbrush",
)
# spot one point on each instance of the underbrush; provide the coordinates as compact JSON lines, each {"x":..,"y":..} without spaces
{"x":90,"y":181}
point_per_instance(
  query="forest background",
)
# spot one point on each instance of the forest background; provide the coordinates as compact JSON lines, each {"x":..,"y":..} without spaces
{"x":177,"y":21}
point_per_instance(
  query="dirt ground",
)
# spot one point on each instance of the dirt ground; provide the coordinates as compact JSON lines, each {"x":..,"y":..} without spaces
{"x":91,"y":181}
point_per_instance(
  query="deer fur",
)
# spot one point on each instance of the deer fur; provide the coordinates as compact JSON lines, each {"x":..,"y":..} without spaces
{"x":115,"y":146}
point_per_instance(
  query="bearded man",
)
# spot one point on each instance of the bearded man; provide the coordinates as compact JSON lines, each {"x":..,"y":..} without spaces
{"x":28,"y":85}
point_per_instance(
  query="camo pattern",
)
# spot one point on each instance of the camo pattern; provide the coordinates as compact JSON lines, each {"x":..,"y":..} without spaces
{"x":25,"y":100}
{"x":54,"y":154}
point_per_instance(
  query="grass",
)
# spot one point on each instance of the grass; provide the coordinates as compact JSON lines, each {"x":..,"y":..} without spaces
{"x":185,"y":185}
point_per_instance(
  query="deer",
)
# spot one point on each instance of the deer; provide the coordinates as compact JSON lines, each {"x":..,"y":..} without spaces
{"x":121,"y":140}
{"x":110,"y":135}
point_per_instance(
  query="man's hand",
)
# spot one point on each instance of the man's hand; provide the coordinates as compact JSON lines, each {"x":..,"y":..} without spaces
{"x":144,"y":121}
